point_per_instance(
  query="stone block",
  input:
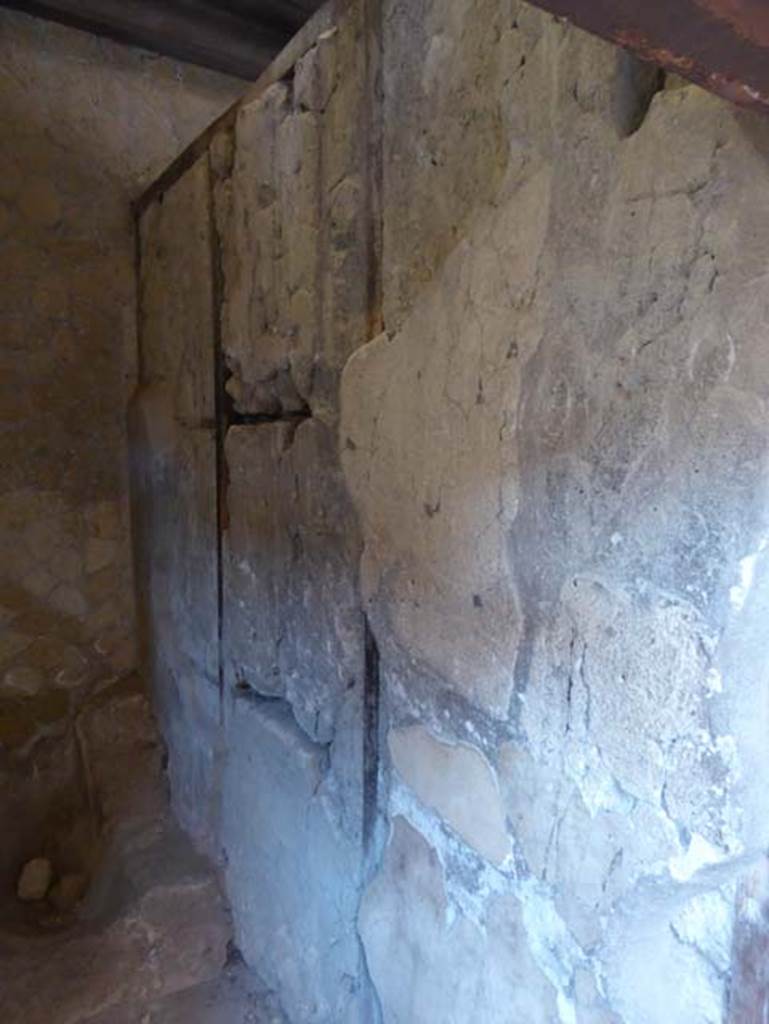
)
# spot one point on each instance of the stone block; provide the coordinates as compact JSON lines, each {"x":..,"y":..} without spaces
{"x":316,"y":75}
{"x":458,"y":784}
{"x":291,"y":874}
{"x":256,"y":553}
{"x":672,"y":965}
{"x":251,"y":225}
{"x":296,"y":233}
{"x":293,"y":624}
{"x":175,"y":530}
{"x":429,"y":452}
{"x":34,"y":880}
{"x":178,"y":498}
{"x":469,"y":102}
{"x":176,"y":296}
{"x":556,"y":455}
{"x":429,"y":961}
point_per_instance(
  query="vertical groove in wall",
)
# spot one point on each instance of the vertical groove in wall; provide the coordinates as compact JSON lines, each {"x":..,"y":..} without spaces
{"x":138,"y":525}
{"x":323,"y":246}
{"x":220,"y":424}
{"x":371,"y":691}
{"x":138,"y":366}
{"x":372,"y":127}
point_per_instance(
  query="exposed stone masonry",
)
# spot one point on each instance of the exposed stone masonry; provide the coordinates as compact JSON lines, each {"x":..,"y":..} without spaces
{"x":455,"y":609}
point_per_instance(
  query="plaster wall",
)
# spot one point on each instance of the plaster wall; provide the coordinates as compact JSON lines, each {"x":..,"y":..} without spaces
{"x":86,"y":124}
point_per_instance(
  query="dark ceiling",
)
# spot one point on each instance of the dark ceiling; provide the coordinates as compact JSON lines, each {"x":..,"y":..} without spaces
{"x":721,"y":44}
{"x":239,"y":37}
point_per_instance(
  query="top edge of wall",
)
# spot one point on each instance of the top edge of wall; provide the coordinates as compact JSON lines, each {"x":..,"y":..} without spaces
{"x":298,"y":45}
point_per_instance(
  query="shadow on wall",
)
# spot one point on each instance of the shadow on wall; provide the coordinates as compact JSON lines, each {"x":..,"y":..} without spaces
{"x":117,"y":918}
{"x":84,"y":123}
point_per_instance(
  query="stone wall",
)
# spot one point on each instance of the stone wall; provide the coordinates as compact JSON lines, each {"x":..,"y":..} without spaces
{"x":255,"y":290}
{"x":471,"y":449}
{"x":86,"y":124}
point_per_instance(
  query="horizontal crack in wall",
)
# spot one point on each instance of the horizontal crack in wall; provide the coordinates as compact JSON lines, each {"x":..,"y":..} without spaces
{"x":252,"y":419}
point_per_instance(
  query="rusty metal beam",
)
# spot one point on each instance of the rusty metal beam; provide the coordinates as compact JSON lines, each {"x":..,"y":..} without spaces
{"x":722,"y":45}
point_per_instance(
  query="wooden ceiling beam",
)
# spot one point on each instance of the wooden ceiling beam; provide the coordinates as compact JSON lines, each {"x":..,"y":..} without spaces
{"x":188,"y":30}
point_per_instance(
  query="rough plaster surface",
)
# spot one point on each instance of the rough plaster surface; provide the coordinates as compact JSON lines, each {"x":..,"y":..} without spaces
{"x":249,"y":548}
{"x":294,"y":221}
{"x":177,"y":297}
{"x":291,"y":869}
{"x":174,"y":498}
{"x":544,"y":780}
{"x":86,"y":124}
{"x":293,"y":619}
{"x":430,"y":963}
{"x":175,"y":528}
{"x":567,"y":405}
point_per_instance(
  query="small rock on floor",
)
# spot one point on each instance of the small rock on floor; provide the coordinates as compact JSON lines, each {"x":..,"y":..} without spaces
{"x":34,"y":880}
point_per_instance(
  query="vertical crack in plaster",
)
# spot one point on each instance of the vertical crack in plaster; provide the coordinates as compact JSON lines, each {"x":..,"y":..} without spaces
{"x":371,"y":753}
{"x":220,"y":426}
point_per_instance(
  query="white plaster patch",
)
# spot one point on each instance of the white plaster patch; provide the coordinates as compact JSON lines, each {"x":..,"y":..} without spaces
{"x":707,"y":923}
{"x":714,"y":681}
{"x":598,"y":788}
{"x":552,"y":944}
{"x":726,"y":747}
{"x":699,"y":854}
{"x":439,"y":52}
{"x":751,"y":910}
{"x":566,"y":1010}
{"x":738,"y":594}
